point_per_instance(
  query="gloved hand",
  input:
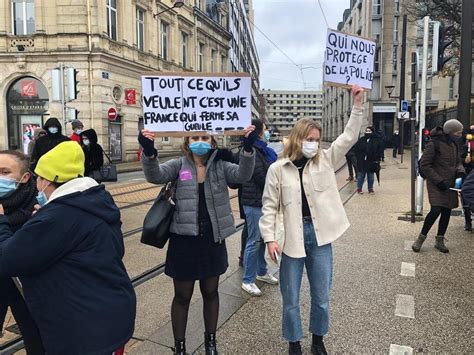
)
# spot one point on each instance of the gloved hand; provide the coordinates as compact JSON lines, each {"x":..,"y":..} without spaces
{"x":249,"y":141}
{"x":442,"y":186}
{"x":147,"y":145}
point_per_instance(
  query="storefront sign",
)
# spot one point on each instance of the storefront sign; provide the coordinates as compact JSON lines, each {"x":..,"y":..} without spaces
{"x":348,"y":60}
{"x":384,"y":109}
{"x":39,"y":106}
{"x":28,"y":88}
{"x":130,"y":96}
{"x":214,"y":103}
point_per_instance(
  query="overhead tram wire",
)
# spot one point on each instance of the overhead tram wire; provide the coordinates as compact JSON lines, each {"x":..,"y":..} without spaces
{"x":322,"y":11}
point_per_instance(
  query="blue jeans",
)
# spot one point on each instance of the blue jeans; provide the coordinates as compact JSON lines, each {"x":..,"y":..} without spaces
{"x":254,"y":254}
{"x":318,"y":262}
{"x":361,"y":177}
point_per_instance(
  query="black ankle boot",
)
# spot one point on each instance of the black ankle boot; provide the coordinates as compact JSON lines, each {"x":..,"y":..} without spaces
{"x":179,"y":347}
{"x":210,"y":343}
{"x":317,"y":347}
{"x":294,"y":348}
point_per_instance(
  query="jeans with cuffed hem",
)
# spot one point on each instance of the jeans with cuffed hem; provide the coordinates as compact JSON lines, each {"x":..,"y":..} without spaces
{"x":318,"y":262}
{"x":254,"y":254}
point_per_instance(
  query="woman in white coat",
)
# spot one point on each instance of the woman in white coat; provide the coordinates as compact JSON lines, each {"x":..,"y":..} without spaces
{"x":302,"y":186}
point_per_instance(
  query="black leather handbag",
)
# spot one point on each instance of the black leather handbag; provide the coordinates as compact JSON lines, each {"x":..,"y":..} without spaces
{"x":106,"y":173}
{"x":156,"y":225}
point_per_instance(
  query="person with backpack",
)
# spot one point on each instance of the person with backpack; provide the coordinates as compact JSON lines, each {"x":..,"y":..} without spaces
{"x":441,"y":164}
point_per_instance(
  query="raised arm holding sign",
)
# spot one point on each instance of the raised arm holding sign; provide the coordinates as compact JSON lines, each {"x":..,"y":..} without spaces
{"x":349,"y":60}
{"x":182,"y":105}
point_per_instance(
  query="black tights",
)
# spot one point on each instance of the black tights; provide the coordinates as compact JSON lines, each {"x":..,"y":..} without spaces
{"x":183,"y":291}
{"x":431,"y":218}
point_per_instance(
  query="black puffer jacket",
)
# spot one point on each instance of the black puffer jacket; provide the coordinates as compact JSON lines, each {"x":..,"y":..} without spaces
{"x":94,"y":154}
{"x":46,"y":143}
{"x":252,"y":191}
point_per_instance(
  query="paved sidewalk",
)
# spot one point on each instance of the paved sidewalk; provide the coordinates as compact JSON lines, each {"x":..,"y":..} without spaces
{"x":385,"y":299}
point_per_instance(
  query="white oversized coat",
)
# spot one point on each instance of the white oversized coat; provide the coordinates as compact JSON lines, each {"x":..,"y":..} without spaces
{"x":319,"y":181}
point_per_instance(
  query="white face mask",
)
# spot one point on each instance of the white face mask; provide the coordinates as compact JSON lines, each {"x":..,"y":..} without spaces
{"x":86,"y":141}
{"x":310,"y":149}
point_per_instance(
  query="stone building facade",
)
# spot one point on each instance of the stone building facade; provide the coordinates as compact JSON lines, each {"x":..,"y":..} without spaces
{"x":111,"y":43}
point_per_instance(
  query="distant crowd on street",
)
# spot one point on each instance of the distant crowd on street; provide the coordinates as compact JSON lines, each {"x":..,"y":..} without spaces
{"x":61,"y":244}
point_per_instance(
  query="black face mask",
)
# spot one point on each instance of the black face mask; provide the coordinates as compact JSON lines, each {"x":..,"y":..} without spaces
{"x":368,"y":134}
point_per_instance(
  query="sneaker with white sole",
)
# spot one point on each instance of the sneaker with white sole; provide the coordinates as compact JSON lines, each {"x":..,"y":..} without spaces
{"x":269,"y":279}
{"x":251,"y":289}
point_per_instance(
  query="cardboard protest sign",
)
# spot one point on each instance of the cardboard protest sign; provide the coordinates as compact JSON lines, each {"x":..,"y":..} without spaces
{"x":349,"y":60}
{"x":182,"y":104}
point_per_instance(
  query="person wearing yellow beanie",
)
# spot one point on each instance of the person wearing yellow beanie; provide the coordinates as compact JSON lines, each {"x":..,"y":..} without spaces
{"x":68,"y":257}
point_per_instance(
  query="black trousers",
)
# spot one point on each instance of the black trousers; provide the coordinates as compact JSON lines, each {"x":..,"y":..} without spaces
{"x":352,"y":165}
{"x":431,"y":218}
{"x":11,"y":297}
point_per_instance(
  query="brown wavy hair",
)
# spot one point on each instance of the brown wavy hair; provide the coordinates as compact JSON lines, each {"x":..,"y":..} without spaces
{"x":298,"y":134}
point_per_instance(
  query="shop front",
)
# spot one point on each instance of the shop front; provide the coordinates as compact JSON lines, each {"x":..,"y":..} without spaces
{"x":27,"y":107}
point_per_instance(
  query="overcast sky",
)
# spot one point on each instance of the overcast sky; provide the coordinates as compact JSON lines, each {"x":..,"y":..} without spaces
{"x":298,"y":28}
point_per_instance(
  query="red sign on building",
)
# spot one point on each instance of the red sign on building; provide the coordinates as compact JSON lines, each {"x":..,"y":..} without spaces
{"x":28,"y":88}
{"x":130,"y":96}
{"x":112,"y":114}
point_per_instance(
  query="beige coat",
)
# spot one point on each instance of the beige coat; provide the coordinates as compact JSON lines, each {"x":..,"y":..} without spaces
{"x":319,"y":181}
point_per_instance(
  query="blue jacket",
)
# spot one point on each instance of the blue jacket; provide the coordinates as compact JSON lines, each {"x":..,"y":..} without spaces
{"x":68,"y":257}
{"x":468,"y":190}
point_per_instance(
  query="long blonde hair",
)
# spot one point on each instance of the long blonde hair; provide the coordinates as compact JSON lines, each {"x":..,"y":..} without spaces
{"x":293,"y":146}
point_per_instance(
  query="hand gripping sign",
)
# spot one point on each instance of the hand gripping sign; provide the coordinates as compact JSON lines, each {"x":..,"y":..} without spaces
{"x":178,"y":104}
{"x":349,"y":60}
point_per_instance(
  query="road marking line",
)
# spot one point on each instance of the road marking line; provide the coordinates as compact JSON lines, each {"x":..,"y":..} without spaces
{"x":408,"y":269}
{"x":408,"y":244}
{"x":405,"y":306}
{"x":400,"y":350}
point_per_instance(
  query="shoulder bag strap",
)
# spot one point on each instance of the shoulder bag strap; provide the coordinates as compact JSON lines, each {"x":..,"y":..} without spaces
{"x":108,"y":158}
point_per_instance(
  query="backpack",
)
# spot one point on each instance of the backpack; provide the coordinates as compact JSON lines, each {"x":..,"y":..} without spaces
{"x":437,"y":151}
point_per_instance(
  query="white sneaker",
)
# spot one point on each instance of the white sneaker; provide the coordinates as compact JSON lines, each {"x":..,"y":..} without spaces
{"x":251,"y":289}
{"x":269,"y":279}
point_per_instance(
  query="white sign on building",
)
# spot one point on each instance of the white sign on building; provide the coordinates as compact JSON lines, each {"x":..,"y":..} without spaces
{"x":348,"y":60}
{"x":185,"y":104}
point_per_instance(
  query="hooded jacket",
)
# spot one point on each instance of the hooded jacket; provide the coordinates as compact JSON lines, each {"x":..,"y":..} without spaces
{"x":94,"y":154}
{"x":441,"y":165}
{"x":73,"y":277}
{"x":46,"y":143}
{"x":369,"y":150}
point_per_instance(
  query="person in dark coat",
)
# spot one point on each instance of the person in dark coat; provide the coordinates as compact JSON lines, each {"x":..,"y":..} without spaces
{"x":351,"y":159}
{"x":74,"y":281}
{"x":93,"y":152}
{"x":44,"y":144}
{"x":468,"y":161}
{"x":39,"y":132}
{"x":18,"y":197}
{"x":369,"y":149}
{"x":255,"y":266}
{"x":383,"y":138}
{"x":441,"y":163}
{"x":396,"y":141}
{"x":467,"y":190}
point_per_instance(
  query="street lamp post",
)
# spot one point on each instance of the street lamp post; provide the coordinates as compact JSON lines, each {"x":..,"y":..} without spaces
{"x":177,"y":4}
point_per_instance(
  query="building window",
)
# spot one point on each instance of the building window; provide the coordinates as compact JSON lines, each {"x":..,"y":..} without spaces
{"x":164,"y":40}
{"x":165,"y":139}
{"x":184,"y":49}
{"x":395,"y":28}
{"x":197,"y":3}
{"x":112,"y":19}
{"x":377,"y":7}
{"x":429,"y":88}
{"x":213,"y":60}
{"x":397,"y":5}
{"x":223,"y":64}
{"x":201,"y":57}
{"x":451,"y":88}
{"x":23,"y":17}
{"x":140,"y":29}
{"x":395,"y":55}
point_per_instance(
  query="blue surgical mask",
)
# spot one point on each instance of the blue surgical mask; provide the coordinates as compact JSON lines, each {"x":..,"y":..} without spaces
{"x":53,"y":130}
{"x":200,"y":148}
{"x":78,"y":131}
{"x":7,"y":186}
{"x":266,"y":136}
{"x":86,"y":142}
{"x":41,"y":198}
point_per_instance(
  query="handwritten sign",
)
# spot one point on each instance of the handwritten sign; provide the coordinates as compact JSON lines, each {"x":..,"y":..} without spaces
{"x":349,"y":60}
{"x":191,"y":103}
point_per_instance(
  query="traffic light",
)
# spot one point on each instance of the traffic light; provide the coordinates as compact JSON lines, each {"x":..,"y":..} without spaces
{"x":441,"y":41}
{"x":425,"y":138}
{"x":72,"y":84}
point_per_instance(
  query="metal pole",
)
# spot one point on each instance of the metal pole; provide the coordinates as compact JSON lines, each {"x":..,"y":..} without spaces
{"x":401,"y":123}
{"x":63,"y":99}
{"x":465,"y":69}
{"x":419,"y":180}
{"x":424,"y":73}
{"x":414,"y":79}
